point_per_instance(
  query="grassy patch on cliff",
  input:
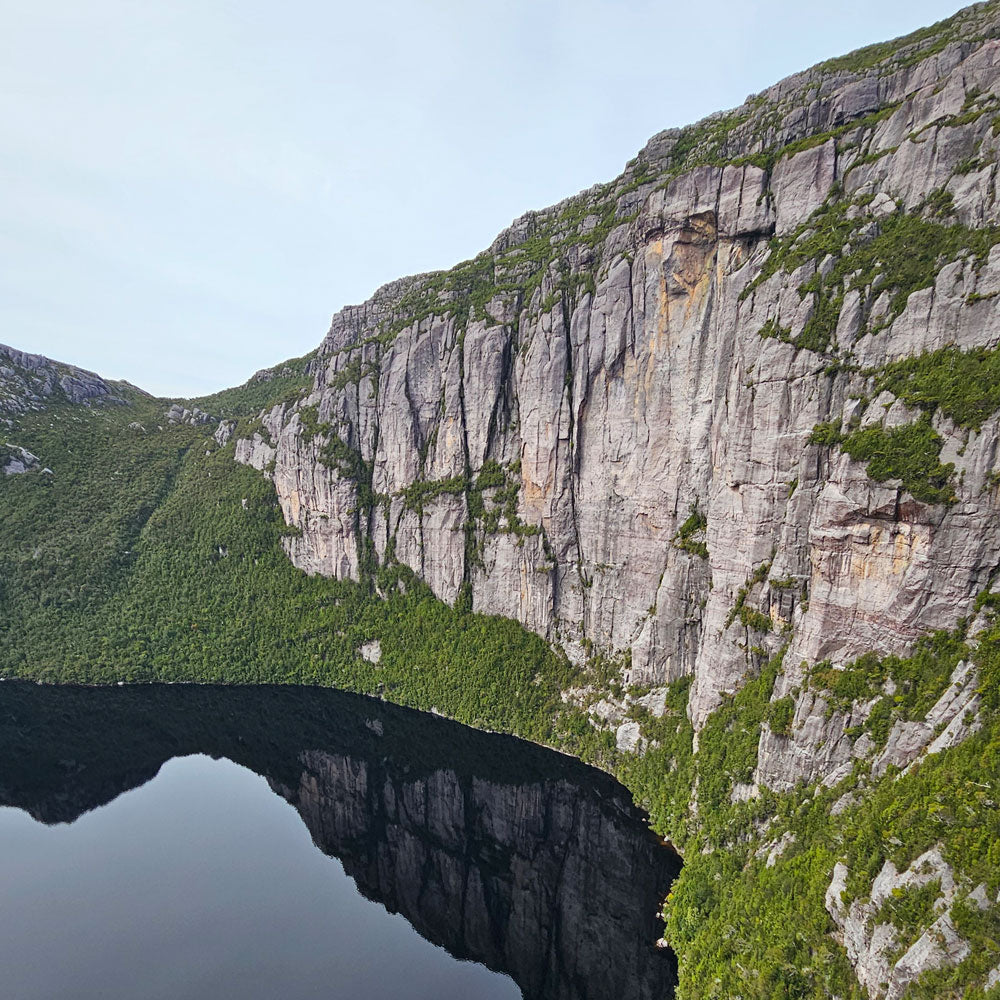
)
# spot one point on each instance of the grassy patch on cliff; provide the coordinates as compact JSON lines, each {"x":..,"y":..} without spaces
{"x":910,"y":453}
{"x":904,"y":51}
{"x":883,"y":261}
{"x":963,"y":385}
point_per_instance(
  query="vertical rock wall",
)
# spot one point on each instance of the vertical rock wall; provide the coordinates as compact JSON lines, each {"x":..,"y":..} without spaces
{"x":535,"y":427}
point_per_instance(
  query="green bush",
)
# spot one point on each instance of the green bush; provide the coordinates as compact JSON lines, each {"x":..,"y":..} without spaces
{"x":780,"y":714}
{"x":909,"y":453}
{"x":694,"y":524}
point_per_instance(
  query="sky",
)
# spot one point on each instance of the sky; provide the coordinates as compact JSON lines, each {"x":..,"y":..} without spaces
{"x":189,"y":189}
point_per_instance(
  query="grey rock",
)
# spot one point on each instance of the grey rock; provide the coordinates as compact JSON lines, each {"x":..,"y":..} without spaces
{"x":371,"y":651}
{"x":224,"y":432}
{"x":776,"y":848}
{"x":801,"y":184}
{"x":744,"y":792}
{"x":628,"y":737}
{"x":655,"y":702}
{"x":952,"y":719}
{"x":31,"y":382}
{"x":846,"y":801}
{"x":17,"y":460}
{"x":940,"y":945}
{"x":980,"y":897}
{"x":820,"y":749}
{"x":607,"y":711}
{"x":612,"y":408}
{"x":178,"y":414}
{"x":871,"y":947}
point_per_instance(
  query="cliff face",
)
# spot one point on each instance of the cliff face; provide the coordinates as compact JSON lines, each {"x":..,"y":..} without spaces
{"x":603,"y":426}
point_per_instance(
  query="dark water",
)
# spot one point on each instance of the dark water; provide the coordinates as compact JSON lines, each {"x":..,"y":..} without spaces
{"x":163,"y":843}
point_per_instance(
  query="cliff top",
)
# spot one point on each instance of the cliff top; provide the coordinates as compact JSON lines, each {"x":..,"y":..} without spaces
{"x":797,"y":113}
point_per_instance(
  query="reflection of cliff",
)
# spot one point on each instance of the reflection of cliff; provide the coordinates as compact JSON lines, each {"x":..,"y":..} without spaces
{"x":549,"y":882}
{"x":501,"y":851}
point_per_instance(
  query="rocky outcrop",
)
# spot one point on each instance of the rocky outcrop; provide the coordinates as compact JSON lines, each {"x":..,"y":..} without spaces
{"x":177,"y":414}
{"x":30,"y":381}
{"x":537,"y":428}
{"x":886,"y":965}
{"x":823,"y":745}
{"x":15,"y":461}
{"x":224,"y":432}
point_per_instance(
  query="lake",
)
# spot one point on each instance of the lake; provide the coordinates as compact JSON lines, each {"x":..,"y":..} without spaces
{"x":182,"y":841}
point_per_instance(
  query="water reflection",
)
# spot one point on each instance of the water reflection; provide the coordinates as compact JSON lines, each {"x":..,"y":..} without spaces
{"x":502,"y":852}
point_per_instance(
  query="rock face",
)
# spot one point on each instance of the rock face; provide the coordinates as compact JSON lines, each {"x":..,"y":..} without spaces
{"x":29,"y":381}
{"x":603,"y":426}
{"x":873,"y":947}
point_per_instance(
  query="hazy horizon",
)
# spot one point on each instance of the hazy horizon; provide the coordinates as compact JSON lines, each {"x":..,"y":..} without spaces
{"x":192,"y":191}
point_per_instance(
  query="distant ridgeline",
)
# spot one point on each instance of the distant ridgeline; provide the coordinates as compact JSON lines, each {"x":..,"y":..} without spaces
{"x":694,"y":475}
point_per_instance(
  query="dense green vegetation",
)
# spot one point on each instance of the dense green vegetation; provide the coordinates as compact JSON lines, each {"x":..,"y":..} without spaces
{"x":780,"y":714}
{"x":963,"y":385}
{"x":740,"y":610}
{"x":284,"y":382}
{"x":918,"y":679}
{"x":909,"y":453}
{"x":747,"y":915}
{"x":150,"y":554}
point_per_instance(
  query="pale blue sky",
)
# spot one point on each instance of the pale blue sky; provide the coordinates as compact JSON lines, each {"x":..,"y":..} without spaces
{"x":189,"y":190}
